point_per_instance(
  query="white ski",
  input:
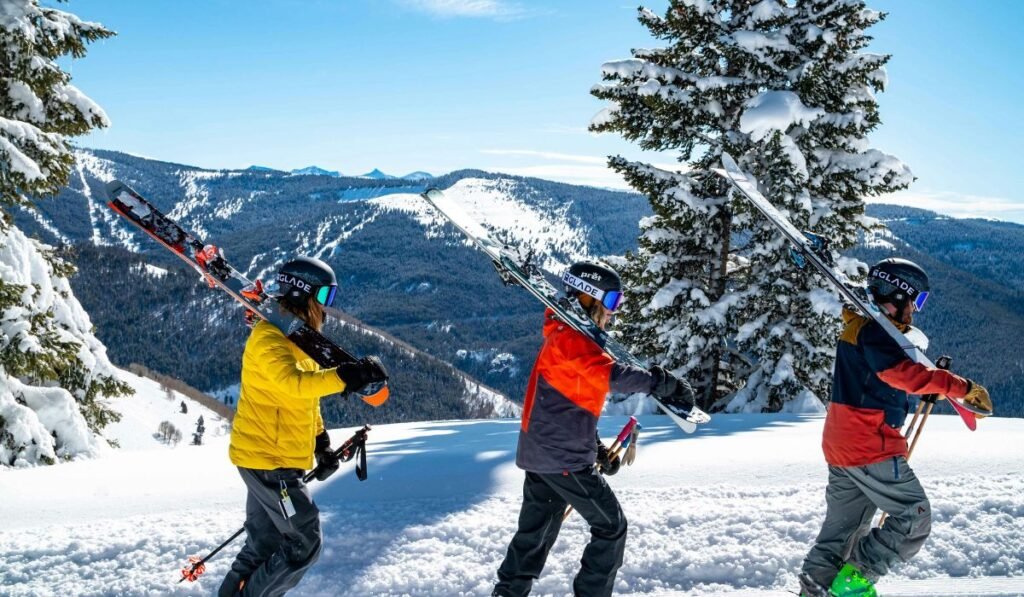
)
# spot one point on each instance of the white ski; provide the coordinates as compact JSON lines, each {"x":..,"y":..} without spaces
{"x":513,"y":269}
{"x":747,"y":185}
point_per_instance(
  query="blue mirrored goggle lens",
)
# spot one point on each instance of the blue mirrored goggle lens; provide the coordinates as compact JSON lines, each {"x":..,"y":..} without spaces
{"x":325,"y":295}
{"x":612,"y":300}
{"x":920,"y":299}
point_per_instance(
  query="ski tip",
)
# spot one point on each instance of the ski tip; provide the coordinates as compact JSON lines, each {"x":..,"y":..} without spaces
{"x":377,"y":398}
{"x":114,"y":188}
{"x":969,"y":418}
{"x":728,"y":162}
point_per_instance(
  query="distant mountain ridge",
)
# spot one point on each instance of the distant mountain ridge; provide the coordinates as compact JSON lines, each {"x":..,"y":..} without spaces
{"x":375,"y":174}
{"x":407,"y":273}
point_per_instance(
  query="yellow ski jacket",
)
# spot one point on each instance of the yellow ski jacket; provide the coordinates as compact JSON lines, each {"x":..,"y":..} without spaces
{"x":278,"y":416}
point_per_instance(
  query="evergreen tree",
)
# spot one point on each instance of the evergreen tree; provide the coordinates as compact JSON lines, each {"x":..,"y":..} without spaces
{"x":53,"y":372}
{"x":785,"y":88}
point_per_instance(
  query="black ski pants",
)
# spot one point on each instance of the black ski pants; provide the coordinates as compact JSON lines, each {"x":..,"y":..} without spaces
{"x":278,"y":549}
{"x":545,"y":497}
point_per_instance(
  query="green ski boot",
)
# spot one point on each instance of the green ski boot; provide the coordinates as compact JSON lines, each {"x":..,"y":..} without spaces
{"x":851,"y":583}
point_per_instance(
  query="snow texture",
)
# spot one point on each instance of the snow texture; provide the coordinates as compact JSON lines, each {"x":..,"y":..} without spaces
{"x":491,"y":204}
{"x":775,"y":111}
{"x":442,"y":498}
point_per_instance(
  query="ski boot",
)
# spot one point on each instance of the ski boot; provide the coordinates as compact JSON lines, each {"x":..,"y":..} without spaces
{"x":851,"y":583}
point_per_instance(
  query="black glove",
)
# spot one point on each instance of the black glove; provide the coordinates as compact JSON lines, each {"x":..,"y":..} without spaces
{"x":606,"y":463}
{"x":664,"y":384}
{"x":326,"y":462}
{"x":683,"y":396}
{"x":671,"y":390}
{"x":361,"y":373}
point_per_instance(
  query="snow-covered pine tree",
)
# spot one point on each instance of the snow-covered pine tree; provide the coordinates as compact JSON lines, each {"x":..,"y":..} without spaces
{"x":687,"y":98}
{"x":53,"y":371}
{"x":784,"y":87}
{"x":810,"y":150}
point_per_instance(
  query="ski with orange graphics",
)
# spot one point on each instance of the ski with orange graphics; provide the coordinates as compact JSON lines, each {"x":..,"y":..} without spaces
{"x":209,"y":261}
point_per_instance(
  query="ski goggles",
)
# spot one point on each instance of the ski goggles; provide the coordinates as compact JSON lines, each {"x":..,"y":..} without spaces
{"x":325,"y":295}
{"x":920,"y":299}
{"x":610,"y":299}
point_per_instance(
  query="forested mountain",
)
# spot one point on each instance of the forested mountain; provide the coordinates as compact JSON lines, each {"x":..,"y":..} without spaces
{"x":405,"y":272}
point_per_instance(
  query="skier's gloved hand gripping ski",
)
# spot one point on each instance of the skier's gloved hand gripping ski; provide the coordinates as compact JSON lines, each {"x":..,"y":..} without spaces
{"x":210,"y":263}
{"x":976,"y":404}
{"x":513,"y":269}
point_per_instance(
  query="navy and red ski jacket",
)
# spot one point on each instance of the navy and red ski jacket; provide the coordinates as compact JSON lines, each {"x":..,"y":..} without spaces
{"x":869,"y":394}
{"x":567,"y":389}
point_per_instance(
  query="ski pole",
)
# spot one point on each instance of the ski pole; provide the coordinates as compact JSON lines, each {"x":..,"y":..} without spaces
{"x":926,"y":404}
{"x":622,"y":441}
{"x":353,"y":446}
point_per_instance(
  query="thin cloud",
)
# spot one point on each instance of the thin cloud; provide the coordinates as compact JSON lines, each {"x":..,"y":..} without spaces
{"x":563,"y":167}
{"x":485,"y":9}
{"x":958,"y":205}
{"x":548,"y":155}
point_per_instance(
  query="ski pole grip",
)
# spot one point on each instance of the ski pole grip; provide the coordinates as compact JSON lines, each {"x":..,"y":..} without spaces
{"x":627,"y":429}
{"x":944,"y":362}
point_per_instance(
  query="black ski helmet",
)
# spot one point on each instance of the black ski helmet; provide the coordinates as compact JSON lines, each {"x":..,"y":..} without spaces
{"x":594,"y":279}
{"x":306,"y":276}
{"x":898,"y":281}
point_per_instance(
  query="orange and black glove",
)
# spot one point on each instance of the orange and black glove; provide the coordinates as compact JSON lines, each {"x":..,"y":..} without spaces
{"x":359,"y":374}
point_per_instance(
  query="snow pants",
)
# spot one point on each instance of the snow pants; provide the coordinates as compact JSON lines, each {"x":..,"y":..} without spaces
{"x":852,"y":497}
{"x":545,"y":497}
{"x":278,"y":548}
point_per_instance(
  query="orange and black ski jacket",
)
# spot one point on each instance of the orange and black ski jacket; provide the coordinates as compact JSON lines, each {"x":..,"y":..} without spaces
{"x":869,"y":394}
{"x":566,"y":392}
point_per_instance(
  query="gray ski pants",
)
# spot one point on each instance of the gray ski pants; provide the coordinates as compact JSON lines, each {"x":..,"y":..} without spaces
{"x":852,"y":497}
{"x":278,"y":550}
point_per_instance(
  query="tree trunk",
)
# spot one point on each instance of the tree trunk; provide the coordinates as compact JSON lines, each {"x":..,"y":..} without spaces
{"x":717,"y":284}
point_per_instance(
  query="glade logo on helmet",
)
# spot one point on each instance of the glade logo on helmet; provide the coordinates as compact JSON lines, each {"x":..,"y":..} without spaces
{"x":897,"y":282}
{"x":300,"y":284}
{"x":582,"y":286}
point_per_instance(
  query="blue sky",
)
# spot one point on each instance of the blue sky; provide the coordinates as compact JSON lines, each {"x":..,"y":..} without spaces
{"x":438,"y":85}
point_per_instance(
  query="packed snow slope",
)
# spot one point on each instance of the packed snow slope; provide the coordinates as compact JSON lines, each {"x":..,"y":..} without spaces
{"x":728,"y":510}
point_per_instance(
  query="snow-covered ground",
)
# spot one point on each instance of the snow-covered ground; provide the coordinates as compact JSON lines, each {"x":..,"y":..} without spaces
{"x":728,"y":510}
{"x":151,"y":405}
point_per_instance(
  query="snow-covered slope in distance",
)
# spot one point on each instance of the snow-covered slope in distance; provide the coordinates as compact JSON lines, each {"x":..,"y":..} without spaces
{"x":729,"y":510}
{"x":491,"y":203}
{"x":142,"y":413}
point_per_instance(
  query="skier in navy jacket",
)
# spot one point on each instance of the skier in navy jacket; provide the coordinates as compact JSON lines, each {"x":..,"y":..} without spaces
{"x":865,"y":451}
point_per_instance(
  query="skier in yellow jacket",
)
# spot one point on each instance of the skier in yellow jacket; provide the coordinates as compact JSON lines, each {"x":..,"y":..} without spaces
{"x":278,"y":432}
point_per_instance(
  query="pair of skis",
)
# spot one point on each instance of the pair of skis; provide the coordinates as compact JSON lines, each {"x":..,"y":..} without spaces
{"x":810,"y":250}
{"x":514,"y":269}
{"x":209,"y":261}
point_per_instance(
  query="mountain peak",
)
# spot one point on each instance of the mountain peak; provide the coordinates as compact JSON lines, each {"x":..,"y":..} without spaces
{"x":377,"y":174}
{"x":315,"y":171}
